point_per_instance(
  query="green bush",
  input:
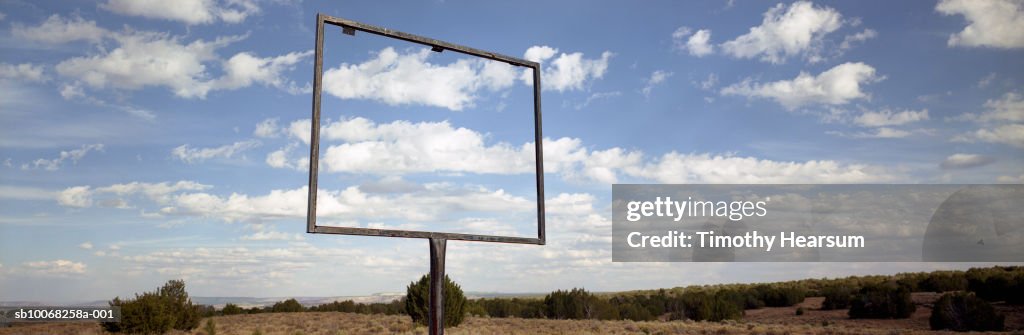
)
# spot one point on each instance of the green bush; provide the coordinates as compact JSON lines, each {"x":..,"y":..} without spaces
{"x":882,"y":301}
{"x":348,"y":306}
{"x":752,"y":299}
{"x":474,"y":308}
{"x":417,"y":302}
{"x":944,"y":282}
{"x":211,"y":328}
{"x":780,"y":296}
{"x":997,"y":283}
{"x":836,"y":297}
{"x":287,"y":306}
{"x":965,"y":312}
{"x":630,"y":311}
{"x":231,"y":309}
{"x":725,"y":304}
{"x":156,"y":312}
{"x":515,"y":307}
{"x":574,"y":304}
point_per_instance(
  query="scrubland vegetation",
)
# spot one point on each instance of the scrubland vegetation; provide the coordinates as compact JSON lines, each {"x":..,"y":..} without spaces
{"x":981,"y":299}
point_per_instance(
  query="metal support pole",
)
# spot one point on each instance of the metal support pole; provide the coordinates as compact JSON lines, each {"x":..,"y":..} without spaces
{"x":436,"y":324}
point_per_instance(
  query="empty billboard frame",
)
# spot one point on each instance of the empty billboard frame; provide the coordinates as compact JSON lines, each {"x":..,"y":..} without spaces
{"x":349,"y":27}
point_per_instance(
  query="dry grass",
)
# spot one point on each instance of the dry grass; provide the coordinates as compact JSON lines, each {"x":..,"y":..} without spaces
{"x":329,"y":323}
{"x":780,"y":320}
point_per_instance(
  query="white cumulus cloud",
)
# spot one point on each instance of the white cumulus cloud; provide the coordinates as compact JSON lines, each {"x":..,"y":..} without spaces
{"x":25,"y":71}
{"x":281,"y":158}
{"x":567,"y":71}
{"x":887,"y":117}
{"x":836,"y":86}
{"x":148,"y":59}
{"x":59,"y":268}
{"x":186,"y":11}
{"x":1010,"y":107}
{"x":699,"y":44}
{"x":991,"y":23}
{"x":191,"y":155}
{"x":657,"y":77}
{"x":1009,"y":134}
{"x":133,"y":60}
{"x":406,"y":147}
{"x":880,"y":132}
{"x":785,"y":32}
{"x":999,"y":123}
{"x":964,"y":161}
{"x":349,"y":204}
{"x":57,"y":30}
{"x":675,"y":167}
{"x":54,"y":164}
{"x":244,"y":69}
{"x":83,"y":196}
{"x":409,"y":78}
{"x":696,"y":44}
{"x":862,"y":36}
{"x":403,"y":147}
{"x":267,"y":129}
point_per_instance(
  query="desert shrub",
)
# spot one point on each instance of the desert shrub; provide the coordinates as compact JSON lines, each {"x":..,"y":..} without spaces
{"x":156,"y":312}
{"x":349,"y":306}
{"x":630,"y":311}
{"x":231,"y":309}
{"x":605,"y":310}
{"x":186,"y":314}
{"x":392,"y":308}
{"x":752,"y":299}
{"x":206,"y":311}
{"x":210,"y":328}
{"x":780,"y":296}
{"x":514,"y":307}
{"x":799,"y":311}
{"x":943,"y":282}
{"x":417,"y":302}
{"x":836,"y":297}
{"x":694,"y":306}
{"x":474,"y":308}
{"x":1000,"y":283}
{"x":882,"y":301}
{"x":1015,"y":292}
{"x":638,"y":307}
{"x":965,"y":312}
{"x":724,"y":304}
{"x":574,"y":304}
{"x":728,"y":305}
{"x":287,"y":306}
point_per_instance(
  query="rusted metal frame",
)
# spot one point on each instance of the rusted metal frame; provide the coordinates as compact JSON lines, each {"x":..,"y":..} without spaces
{"x":435,"y":320}
{"x":314,"y":143}
{"x":424,"y":234}
{"x":314,"y":156}
{"x":538,"y":144}
{"x":425,"y":41}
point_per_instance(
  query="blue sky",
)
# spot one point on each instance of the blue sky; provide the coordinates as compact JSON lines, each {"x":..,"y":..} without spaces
{"x":143,"y":141}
